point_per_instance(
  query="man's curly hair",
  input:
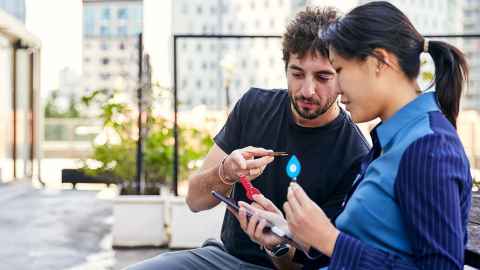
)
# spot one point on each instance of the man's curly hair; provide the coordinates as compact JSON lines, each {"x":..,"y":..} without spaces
{"x":302,"y":35}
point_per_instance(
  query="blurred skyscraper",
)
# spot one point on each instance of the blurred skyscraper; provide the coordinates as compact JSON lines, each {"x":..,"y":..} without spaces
{"x":110,"y":43}
{"x":208,"y":67}
{"x":472,"y":51}
{"x":16,"y":8}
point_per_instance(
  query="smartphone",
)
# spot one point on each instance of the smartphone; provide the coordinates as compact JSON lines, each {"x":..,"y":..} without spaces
{"x":229,"y":202}
{"x":233,"y":205}
{"x":274,"y":229}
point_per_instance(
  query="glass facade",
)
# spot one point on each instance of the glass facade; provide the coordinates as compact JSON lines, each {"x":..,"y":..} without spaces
{"x":125,"y":18}
{"x":16,"y":8}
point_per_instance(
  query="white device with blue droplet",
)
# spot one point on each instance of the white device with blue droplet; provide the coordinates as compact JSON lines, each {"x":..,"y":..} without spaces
{"x":293,"y":168}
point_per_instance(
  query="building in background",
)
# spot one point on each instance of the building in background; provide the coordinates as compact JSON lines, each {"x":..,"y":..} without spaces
{"x":110,"y":44}
{"x":20,"y":112}
{"x":210,"y":69}
{"x":431,"y":16}
{"x":15,"y":8}
{"x":472,"y":51}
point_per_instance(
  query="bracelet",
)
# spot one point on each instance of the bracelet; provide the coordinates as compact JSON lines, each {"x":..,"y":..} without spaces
{"x":224,"y":179}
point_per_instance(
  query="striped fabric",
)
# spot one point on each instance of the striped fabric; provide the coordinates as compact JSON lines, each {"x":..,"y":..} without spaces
{"x":432,"y":190}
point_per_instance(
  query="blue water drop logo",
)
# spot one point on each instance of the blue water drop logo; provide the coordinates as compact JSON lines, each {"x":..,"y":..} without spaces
{"x":293,"y":167}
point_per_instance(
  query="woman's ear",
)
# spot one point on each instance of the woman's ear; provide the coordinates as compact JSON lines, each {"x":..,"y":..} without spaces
{"x":384,"y":59}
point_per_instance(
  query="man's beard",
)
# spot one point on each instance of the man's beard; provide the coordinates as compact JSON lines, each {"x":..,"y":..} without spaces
{"x":311,"y":114}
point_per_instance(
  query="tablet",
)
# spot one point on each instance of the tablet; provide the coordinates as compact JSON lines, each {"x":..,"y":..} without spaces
{"x":274,"y":229}
{"x":233,"y":205}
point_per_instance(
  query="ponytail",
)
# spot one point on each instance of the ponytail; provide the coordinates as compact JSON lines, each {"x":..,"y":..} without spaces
{"x":451,"y":72}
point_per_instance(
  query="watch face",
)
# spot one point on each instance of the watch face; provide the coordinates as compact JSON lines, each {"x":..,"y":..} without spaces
{"x":280,"y":250}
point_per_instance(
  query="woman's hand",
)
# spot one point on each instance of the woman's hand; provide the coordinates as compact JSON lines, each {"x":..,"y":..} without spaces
{"x":307,"y":222}
{"x":262,"y":210}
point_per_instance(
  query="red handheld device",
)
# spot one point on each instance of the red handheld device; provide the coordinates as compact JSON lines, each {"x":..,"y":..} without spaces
{"x":250,"y":190}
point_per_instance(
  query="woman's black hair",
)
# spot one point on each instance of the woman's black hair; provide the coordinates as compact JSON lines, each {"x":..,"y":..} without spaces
{"x":381,"y":25}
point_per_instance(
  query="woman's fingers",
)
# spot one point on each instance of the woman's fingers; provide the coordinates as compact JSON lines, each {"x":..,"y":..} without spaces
{"x":265,"y":203}
{"x":300,"y":195}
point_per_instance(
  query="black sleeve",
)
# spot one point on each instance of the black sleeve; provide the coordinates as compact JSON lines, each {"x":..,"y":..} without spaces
{"x":228,"y":138}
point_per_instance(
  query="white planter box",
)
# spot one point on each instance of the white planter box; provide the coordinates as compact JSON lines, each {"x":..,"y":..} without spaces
{"x":190,"y":230}
{"x":139,"y":220}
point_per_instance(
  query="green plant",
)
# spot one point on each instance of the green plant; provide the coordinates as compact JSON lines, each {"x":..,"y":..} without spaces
{"x":115,"y":155}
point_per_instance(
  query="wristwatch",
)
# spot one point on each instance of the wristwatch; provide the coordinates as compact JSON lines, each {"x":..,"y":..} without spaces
{"x":278,"y":250}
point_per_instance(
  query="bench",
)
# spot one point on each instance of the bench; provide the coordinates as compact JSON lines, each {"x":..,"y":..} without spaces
{"x":472,"y":258}
{"x":75,"y":176}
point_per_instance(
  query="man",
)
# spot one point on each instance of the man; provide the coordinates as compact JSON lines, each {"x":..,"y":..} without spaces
{"x":305,"y":121}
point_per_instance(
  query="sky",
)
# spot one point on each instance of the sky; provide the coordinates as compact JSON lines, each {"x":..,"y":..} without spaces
{"x":58,"y":24}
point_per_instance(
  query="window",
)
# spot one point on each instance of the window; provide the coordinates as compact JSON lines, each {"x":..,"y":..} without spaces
{"x":105,"y":61}
{"x":213,"y":10}
{"x":199,"y":10}
{"x":238,"y":83}
{"x":104,"y":46}
{"x":122,"y":13}
{"x":121,"y":46}
{"x":106,"y":14}
{"x":184,"y":83}
{"x":185,"y":9}
{"x":122,"y":30}
{"x":105,"y":76}
{"x":199,"y":84}
{"x":104,"y":31}
{"x":244,"y":63}
{"x":86,"y":60}
{"x":204,"y":66}
{"x":272,"y":61}
{"x":199,"y":47}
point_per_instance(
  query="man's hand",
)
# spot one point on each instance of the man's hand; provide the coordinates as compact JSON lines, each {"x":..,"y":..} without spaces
{"x":262,"y":210}
{"x":243,"y":162}
{"x":307,"y":222}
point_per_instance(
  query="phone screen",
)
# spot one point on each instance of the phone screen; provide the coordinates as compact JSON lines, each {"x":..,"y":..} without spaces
{"x":230,"y":203}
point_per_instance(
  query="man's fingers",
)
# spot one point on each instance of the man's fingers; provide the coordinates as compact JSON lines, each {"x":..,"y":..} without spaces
{"x":256,"y":151}
{"x":258,"y":163}
{"x":239,"y":160}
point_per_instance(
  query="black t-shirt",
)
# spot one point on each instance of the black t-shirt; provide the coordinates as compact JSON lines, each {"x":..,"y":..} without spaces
{"x":329,"y":156}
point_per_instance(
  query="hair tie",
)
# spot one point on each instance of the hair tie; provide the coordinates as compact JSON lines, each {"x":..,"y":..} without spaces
{"x":425,"y":45}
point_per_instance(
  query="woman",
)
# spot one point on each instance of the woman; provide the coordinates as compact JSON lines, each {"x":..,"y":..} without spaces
{"x":409,"y":205}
